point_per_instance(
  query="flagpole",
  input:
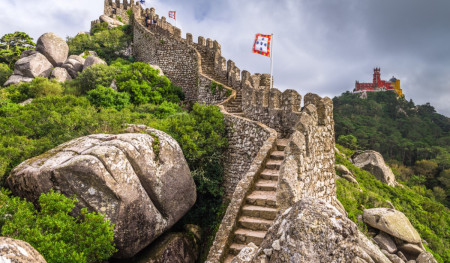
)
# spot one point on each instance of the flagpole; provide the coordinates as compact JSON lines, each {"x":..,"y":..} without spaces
{"x":271,"y":62}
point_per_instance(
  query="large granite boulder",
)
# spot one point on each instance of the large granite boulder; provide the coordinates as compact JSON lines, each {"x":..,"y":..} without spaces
{"x":182,"y":247}
{"x":54,"y":48}
{"x":92,"y":60}
{"x":74,"y":66}
{"x":77,"y":58}
{"x":18,"y":251}
{"x":143,"y":186}
{"x":15,"y":79}
{"x":426,"y":257}
{"x":27,"y":53}
{"x":35,"y":65}
{"x":393,"y":222}
{"x":60,"y":74}
{"x":315,"y":231}
{"x":373,"y":162}
{"x":384,"y":241}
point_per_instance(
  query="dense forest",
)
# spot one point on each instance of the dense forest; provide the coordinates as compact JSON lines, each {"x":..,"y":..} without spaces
{"x":413,"y":139}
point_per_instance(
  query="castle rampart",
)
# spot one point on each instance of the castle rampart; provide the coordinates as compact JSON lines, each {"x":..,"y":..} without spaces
{"x":267,"y":114}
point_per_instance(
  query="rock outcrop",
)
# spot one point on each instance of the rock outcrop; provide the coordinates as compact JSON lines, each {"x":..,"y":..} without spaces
{"x":35,"y":65}
{"x":73,"y":66}
{"x":92,"y":60}
{"x":426,"y":257}
{"x":315,"y":231}
{"x":54,"y":48}
{"x":16,"y":79}
{"x":60,"y":74}
{"x":397,"y":238}
{"x":143,"y":186}
{"x":373,"y":162}
{"x":112,"y":23}
{"x":392,"y":222}
{"x":47,"y":60}
{"x":18,"y":251}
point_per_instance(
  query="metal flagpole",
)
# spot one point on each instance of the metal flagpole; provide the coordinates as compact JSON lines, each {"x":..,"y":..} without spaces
{"x":271,"y":62}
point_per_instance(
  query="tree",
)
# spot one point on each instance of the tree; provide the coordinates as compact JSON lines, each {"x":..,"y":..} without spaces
{"x":348,"y":141}
{"x":12,"y":45}
{"x":5,"y":72}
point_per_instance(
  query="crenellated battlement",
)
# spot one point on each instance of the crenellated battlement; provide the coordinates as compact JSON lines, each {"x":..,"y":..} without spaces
{"x":119,"y":9}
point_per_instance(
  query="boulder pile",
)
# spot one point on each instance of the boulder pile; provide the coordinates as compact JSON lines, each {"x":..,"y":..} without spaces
{"x":50,"y":60}
{"x":397,"y":238}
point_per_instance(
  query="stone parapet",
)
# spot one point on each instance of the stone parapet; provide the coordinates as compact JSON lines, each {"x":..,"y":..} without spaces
{"x":308,"y":169}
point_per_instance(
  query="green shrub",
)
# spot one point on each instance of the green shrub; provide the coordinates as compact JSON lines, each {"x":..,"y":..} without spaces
{"x":58,"y":236}
{"x":5,"y":73}
{"x":98,"y":27}
{"x":37,"y":88}
{"x":93,"y":76}
{"x":107,"y":43}
{"x":201,"y":135}
{"x":108,"y":97}
{"x":144,"y":84}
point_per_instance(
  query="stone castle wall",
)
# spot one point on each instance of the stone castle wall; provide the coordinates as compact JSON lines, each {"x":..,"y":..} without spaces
{"x":178,"y":61}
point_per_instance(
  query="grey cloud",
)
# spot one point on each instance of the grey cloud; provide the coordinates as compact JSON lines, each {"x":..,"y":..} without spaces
{"x":320,"y":46}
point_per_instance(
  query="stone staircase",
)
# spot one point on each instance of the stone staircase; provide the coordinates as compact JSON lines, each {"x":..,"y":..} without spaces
{"x":260,"y":208}
{"x":235,"y":106}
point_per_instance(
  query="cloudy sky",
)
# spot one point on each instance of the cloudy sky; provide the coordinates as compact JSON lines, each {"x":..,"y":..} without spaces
{"x":320,"y":46}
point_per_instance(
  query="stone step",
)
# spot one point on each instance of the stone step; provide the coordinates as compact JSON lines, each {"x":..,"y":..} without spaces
{"x":270,"y":174}
{"x":282,"y":143}
{"x":266,"y":185}
{"x":235,"y":248}
{"x":274,"y":164}
{"x":262,"y":198}
{"x":245,"y":236}
{"x":254,"y":223}
{"x":259,"y":211}
{"x":277,"y":155}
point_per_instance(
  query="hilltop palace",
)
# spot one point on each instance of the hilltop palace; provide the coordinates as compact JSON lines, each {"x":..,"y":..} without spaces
{"x":379,"y":85}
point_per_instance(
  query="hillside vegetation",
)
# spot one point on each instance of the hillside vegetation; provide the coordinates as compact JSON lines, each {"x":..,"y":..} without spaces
{"x":429,"y":217}
{"x":60,"y":112}
{"x":414,"y":139}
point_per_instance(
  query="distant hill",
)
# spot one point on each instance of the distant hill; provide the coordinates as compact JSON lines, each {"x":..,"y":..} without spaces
{"x":413,"y":138}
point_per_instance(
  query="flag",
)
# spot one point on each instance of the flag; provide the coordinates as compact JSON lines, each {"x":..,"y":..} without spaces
{"x":142,"y":1}
{"x":262,"y":44}
{"x":173,"y":15}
